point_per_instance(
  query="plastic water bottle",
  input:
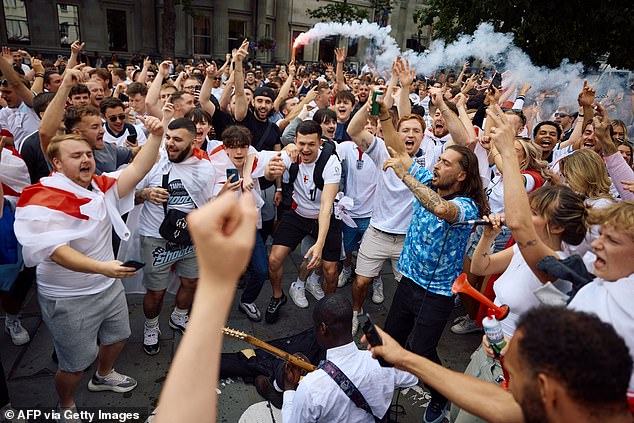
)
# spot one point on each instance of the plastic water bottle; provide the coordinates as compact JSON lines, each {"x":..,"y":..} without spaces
{"x":494,"y":334}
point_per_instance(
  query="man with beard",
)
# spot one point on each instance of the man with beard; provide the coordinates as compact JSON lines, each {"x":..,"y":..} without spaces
{"x":65,"y":224}
{"x":433,"y":249}
{"x":564,"y":366}
{"x":85,"y":121}
{"x":182,"y":179}
{"x":266,"y":136}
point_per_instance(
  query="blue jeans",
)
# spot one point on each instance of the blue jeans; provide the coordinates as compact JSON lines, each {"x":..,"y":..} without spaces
{"x":259,"y":266}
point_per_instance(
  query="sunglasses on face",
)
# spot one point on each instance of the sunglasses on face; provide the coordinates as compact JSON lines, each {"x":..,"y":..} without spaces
{"x":4,"y":83}
{"x":115,"y":118}
{"x":218,"y":79}
{"x":561,"y":115}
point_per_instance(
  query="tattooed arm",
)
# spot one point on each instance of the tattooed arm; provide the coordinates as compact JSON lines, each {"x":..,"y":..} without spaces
{"x":426,"y":196}
{"x":431,"y":200}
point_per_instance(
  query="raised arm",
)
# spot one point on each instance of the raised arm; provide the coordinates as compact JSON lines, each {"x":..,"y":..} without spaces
{"x":144,"y":160}
{"x":406,"y":78}
{"x":152,"y":100}
{"x":55,"y":111}
{"x":482,"y":399}
{"x":461,"y":105}
{"x":146,"y":67}
{"x":242,"y":104}
{"x":225,"y":97}
{"x":205,"y":90}
{"x":38,"y":82}
{"x":457,"y":130}
{"x":13,"y":79}
{"x":226,"y":224}
{"x":427,"y":197}
{"x":340,"y":55}
{"x":286,"y":87}
{"x":362,"y":138}
{"x":516,"y":205}
{"x":75,"y":49}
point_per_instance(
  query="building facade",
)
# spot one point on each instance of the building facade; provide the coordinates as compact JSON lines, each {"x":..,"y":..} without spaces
{"x":215,"y":27}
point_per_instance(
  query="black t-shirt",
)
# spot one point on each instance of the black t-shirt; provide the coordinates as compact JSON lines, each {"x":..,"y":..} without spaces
{"x":34,"y":158}
{"x":259,"y":129}
{"x":220,"y":121}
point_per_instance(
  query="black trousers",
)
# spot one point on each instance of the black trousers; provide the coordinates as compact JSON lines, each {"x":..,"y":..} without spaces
{"x":422,"y":314}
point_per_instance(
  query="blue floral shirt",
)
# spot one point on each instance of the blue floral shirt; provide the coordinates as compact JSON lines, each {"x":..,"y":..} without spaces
{"x":434,"y":249}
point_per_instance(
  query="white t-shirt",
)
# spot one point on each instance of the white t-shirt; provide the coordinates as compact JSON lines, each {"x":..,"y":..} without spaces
{"x":361,"y":179}
{"x":613,"y":303}
{"x":120,"y":140}
{"x":392,"y":208}
{"x":495,"y":190}
{"x":57,"y":281}
{"x":152,"y":215}
{"x":306,"y":196}
{"x":21,"y":121}
{"x":515,"y":288}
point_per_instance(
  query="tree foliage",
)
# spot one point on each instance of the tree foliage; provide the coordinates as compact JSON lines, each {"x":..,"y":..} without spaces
{"x":548,"y":31}
{"x":338,"y":12}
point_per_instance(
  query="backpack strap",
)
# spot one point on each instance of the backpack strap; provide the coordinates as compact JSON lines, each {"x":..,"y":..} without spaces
{"x":165,"y":185}
{"x":347,"y":386}
{"x":328,"y":149}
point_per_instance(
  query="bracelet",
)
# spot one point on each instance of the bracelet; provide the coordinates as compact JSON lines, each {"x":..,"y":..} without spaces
{"x":278,"y":189}
{"x":39,"y":75}
{"x":383,"y":120}
{"x":579,"y":115}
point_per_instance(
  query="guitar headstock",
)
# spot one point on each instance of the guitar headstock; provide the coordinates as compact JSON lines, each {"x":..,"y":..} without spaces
{"x":234,"y":333}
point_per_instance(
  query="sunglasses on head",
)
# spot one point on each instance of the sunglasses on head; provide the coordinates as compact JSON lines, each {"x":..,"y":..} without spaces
{"x":114,"y":118}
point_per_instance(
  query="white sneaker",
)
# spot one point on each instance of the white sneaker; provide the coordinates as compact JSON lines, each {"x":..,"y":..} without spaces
{"x":179,"y":322}
{"x":151,"y":344}
{"x":355,"y":321}
{"x":465,"y":326}
{"x":377,"y":291}
{"x":344,"y":276}
{"x":314,"y":287}
{"x":459,"y":319}
{"x":18,"y":334}
{"x":113,"y":381}
{"x":298,"y":295}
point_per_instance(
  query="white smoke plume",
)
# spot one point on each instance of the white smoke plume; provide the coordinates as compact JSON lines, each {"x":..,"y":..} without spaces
{"x":491,"y":48}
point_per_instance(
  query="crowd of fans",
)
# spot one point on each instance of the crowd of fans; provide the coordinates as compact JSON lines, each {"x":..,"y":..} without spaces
{"x":102,"y":165}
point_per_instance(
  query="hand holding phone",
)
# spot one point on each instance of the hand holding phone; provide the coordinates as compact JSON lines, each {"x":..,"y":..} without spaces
{"x":373,"y":338}
{"x":232,"y":175}
{"x":136,"y":265}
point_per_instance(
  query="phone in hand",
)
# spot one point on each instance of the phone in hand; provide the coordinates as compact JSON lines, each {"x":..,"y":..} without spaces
{"x":232,"y":175}
{"x":373,"y":338}
{"x":136,"y":265}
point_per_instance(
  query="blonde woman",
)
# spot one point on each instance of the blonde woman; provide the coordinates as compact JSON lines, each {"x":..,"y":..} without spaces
{"x":585,"y":172}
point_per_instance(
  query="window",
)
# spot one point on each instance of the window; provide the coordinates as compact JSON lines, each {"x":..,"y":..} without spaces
{"x":202,"y":35}
{"x":237,"y":31}
{"x":16,"y":21}
{"x":68,"y":18}
{"x":117,"y":30}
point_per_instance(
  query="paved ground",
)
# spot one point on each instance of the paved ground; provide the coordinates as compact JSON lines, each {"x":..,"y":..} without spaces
{"x":30,"y":368}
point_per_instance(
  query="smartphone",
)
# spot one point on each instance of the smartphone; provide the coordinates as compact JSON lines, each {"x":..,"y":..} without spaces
{"x":136,"y":265}
{"x":373,"y":337}
{"x":232,"y":175}
{"x":496,"y":81}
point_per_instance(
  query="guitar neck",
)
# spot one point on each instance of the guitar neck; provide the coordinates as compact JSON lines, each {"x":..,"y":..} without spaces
{"x":273,"y":350}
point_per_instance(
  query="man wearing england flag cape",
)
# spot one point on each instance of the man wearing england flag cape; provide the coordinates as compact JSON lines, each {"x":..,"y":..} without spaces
{"x":64,"y":224}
